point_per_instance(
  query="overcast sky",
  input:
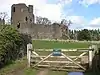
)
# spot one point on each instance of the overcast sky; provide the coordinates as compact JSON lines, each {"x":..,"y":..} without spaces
{"x":83,"y":13}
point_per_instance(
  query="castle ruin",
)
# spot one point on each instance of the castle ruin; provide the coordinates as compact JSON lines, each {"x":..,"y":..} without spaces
{"x":22,"y":18}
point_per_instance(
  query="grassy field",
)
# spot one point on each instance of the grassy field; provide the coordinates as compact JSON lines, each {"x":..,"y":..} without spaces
{"x":40,"y":44}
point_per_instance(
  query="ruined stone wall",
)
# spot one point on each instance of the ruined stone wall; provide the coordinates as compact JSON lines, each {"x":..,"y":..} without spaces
{"x":41,"y":31}
{"x":22,"y":18}
{"x":38,"y":31}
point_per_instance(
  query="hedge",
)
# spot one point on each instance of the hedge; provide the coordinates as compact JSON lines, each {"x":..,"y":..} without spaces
{"x":12,"y":43}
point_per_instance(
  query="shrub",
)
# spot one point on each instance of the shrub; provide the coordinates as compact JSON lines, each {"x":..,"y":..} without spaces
{"x":10,"y":43}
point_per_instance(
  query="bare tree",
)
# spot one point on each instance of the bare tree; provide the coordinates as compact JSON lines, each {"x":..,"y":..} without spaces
{"x":3,"y":15}
{"x":38,"y":20}
{"x":67,"y":23}
{"x":43,"y":20}
{"x":64,"y":22}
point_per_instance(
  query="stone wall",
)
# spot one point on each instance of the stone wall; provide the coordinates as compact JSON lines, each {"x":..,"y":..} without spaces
{"x":38,"y":31}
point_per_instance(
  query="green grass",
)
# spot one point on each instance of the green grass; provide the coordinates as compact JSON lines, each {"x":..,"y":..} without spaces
{"x":30,"y":71}
{"x":40,"y":44}
{"x":44,"y":44}
{"x":11,"y":67}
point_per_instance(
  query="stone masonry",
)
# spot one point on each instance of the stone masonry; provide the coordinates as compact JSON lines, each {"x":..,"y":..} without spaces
{"x":23,"y":16}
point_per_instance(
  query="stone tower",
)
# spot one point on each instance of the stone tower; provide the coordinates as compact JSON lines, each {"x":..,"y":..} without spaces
{"x":21,"y":15}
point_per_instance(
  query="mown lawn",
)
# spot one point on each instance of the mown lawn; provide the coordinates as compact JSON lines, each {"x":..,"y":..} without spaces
{"x":41,"y":44}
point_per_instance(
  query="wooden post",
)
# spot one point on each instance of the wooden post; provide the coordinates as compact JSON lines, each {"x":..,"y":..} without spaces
{"x":29,"y":47}
{"x":29,"y":57}
{"x":27,"y":51}
{"x":90,"y":57}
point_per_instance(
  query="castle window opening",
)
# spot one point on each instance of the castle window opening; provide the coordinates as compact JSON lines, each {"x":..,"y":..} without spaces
{"x":13,"y":9}
{"x":26,"y":18}
{"x":18,"y":25}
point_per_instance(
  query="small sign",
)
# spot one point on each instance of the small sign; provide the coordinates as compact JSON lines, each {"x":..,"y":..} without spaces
{"x":56,"y":52}
{"x":29,"y":46}
{"x":75,"y":73}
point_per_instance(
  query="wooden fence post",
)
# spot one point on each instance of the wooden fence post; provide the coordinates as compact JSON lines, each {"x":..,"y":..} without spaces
{"x":91,"y":54}
{"x":29,"y":58}
{"x":90,"y":58}
{"x":29,"y":47}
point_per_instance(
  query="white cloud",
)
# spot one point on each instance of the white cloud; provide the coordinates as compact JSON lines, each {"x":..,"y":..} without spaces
{"x":79,"y":20}
{"x":95,"y":22}
{"x":64,"y":2}
{"x":51,"y":11}
{"x":41,"y":7}
{"x":88,"y":2}
{"x":6,"y":5}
